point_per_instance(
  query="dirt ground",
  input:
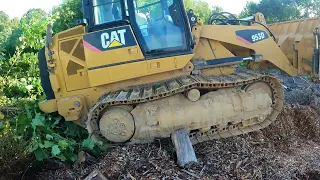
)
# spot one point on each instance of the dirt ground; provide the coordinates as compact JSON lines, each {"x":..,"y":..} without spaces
{"x":288,"y":149}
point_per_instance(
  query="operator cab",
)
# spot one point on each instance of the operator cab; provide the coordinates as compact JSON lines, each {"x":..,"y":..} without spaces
{"x":160,"y":27}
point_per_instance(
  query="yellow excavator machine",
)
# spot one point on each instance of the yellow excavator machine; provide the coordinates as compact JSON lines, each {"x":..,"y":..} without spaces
{"x":133,"y":71}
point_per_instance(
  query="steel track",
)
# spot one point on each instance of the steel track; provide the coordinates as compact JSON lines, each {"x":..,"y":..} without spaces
{"x":155,"y":91}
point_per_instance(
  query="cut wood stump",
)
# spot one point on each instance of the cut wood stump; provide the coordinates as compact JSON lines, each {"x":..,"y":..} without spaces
{"x":184,"y":149}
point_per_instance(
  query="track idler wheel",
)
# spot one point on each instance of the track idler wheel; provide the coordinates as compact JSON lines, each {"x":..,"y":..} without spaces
{"x":117,"y":125}
{"x":262,"y":85}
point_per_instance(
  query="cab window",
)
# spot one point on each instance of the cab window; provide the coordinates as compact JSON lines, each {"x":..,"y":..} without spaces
{"x":106,"y":11}
{"x":160,"y":24}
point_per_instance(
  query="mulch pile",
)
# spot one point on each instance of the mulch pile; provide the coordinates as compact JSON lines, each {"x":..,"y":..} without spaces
{"x":288,"y":149}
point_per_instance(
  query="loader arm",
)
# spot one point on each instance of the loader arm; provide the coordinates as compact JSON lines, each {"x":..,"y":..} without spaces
{"x":225,"y":35}
{"x":234,"y":37}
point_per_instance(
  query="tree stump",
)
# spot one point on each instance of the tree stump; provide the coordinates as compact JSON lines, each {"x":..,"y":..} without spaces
{"x":185,"y":152}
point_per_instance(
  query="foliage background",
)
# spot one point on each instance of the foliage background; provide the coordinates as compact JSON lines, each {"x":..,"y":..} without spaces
{"x":25,"y":132}
{"x":283,"y":10}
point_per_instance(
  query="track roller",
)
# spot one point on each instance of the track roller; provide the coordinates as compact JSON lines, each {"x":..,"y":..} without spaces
{"x":193,"y":95}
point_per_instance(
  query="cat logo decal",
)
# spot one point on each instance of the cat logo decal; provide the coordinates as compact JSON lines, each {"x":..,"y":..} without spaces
{"x":109,"y":39}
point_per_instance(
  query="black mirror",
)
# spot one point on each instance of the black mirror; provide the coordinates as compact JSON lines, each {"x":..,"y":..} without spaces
{"x":81,"y":22}
{"x":193,"y":19}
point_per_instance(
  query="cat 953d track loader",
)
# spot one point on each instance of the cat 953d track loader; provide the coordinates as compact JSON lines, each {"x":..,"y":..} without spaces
{"x":135,"y":70}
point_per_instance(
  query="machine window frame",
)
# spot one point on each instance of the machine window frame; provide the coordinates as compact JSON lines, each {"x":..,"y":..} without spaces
{"x":167,"y":52}
{"x":96,"y":27}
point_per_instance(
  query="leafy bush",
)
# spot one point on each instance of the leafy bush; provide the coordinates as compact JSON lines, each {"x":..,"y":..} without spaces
{"x":13,"y":157}
{"x":20,"y":66}
{"x":66,"y":15}
{"x":28,"y":131}
{"x":47,"y":136}
{"x":22,"y":88}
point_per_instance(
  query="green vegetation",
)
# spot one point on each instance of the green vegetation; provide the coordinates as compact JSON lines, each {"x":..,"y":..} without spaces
{"x":283,"y":10}
{"x":25,"y":132}
{"x":201,"y":9}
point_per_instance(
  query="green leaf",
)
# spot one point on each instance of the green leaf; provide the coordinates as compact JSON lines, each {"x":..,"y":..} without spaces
{"x":40,"y":155}
{"x":73,"y":158}
{"x":56,"y":122}
{"x":62,"y":157}
{"x":49,"y":137}
{"x":34,"y":147}
{"x":72,"y":129}
{"x":88,"y":144}
{"x":55,"y":150}
{"x":1,"y":125}
{"x":23,"y":121}
{"x":71,"y":148}
{"x":48,"y":144}
{"x":64,"y":144}
{"x":38,"y":121}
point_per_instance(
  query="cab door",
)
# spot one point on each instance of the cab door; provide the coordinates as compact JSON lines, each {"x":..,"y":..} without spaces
{"x":164,"y":35}
{"x":111,"y":50}
{"x":113,"y":55}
